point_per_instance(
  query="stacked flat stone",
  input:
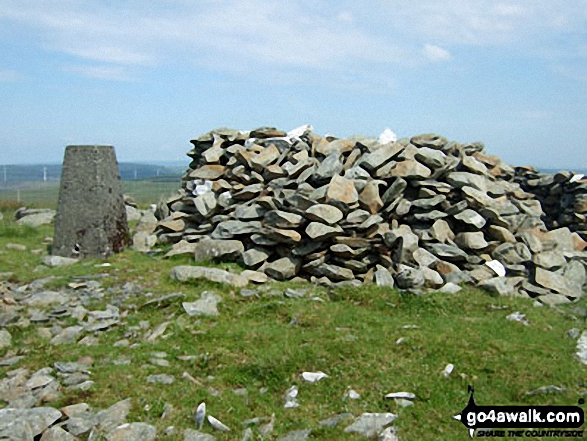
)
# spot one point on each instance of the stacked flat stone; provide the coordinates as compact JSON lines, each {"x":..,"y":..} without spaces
{"x":563,"y":197}
{"x":411,"y":213}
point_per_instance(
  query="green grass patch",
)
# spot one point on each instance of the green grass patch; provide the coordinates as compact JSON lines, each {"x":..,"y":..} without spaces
{"x":264,"y":344}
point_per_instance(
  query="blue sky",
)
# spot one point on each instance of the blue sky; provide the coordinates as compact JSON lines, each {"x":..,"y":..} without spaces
{"x":148,"y":76}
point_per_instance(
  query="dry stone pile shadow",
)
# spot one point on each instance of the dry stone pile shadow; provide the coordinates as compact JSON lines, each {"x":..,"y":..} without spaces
{"x":413,"y":213}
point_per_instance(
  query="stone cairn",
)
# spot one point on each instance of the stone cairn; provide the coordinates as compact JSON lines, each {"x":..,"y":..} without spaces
{"x":410,"y":213}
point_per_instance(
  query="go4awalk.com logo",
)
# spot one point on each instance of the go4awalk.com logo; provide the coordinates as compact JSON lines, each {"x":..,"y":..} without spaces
{"x":521,"y":421}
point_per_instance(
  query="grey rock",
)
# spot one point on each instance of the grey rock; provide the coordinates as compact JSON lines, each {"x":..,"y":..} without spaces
{"x":255,"y":276}
{"x":282,"y":219}
{"x":471,"y":217}
{"x":497,"y":285}
{"x":161,"y":379}
{"x":254,"y":257}
{"x":512,"y":254}
{"x":411,"y":169}
{"x":383,"y":277}
{"x":206,"y":204}
{"x":5,"y":339}
{"x":56,"y":433}
{"x":375,"y":160}
{"x":390,"y":433}
{"x":67,"y":335}
{"x":46,"y":298}
{"x":408,"y":278}
{"x":461,"y":179}
{"x":336,"y":420}
{"x":185,"y":273}
{"x":430,"y":157}
{"x":447,"y":252}
{"x":218,"y":425}
{"x":194,"y":435}
{"x":343,"y":190}
{"x":334,"y":272}
{"x":546,"y":390}
{"x":207,"y":305}
{"x":395,"y":190}
{"x":56,"y":261}
{"x":441,"y":231}
{"x":296,"y":435}
{"x":450,"y":288}
{"x":109,"y":419}
{"x":329,"y":167}
{"x":555,"y":282}
{"x":324,"y":213}
{"x":371,"y":424}
{"x":224,"y":250}
{"x":249,"y":212}
{"x":231,"y":228}
{"x":279,"y":235}
{"x":133,"y":432}
{"x":430,"y":140}
{"x":36,"y":219}
{"x":37,"y":419}
{"x":549,"y":260}
{"x":143,"y":241}
{"x":471,"y":241}
{"x":319,"y":232}
{"x":429,"y":203}
{"x":17,"y":430}
{"x":283,"y":269}
{"x":581,"y":353}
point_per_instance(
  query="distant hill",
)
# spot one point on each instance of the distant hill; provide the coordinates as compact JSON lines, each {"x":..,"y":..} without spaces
{"x":11,"y":174}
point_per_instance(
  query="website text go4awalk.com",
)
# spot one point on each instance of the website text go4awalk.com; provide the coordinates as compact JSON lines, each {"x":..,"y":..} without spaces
{"x":522,"y":421}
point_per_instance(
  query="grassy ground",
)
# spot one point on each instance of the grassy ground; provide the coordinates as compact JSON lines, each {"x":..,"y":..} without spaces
{"x":350,"y":334}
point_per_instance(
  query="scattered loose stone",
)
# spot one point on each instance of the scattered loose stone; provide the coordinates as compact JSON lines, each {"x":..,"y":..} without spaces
{"x":200,"y":415}
{"x":206,"y":306}
{"x":544,"y":390}
{"x":313,"y":377}
{"x":133,"y":432}
{"x":291,"y":398}
{"x":371,"y":424}
{"x":5,"y":339}
{"x":336,"y":420}
{"x":518,"y":317}
{"x":194,"y":435}
{"x":216,"y":424}
{"x":404,"y":395}
{"x":581,"y":353}
{"x":161,"y":379}
{"x":186,"y":273}
{"x":56,"y":261}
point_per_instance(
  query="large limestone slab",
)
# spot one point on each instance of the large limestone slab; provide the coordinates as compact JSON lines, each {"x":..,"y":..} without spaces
{"x":185,"y":273}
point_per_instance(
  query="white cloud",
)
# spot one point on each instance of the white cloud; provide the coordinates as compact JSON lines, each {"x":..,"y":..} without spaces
{"x":345,"y":17}
{"x":9,"y":75}
{"x":110,"y":73}
{"x":109,"y":54}
{"x":436,"y":53}
{"x":243,"y":35}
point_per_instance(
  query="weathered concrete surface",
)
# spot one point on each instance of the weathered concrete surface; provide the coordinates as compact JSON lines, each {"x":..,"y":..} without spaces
{"x":91,"y":217}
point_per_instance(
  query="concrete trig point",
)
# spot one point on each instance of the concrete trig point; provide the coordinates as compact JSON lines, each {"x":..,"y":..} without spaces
{"x":91,"y":216}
